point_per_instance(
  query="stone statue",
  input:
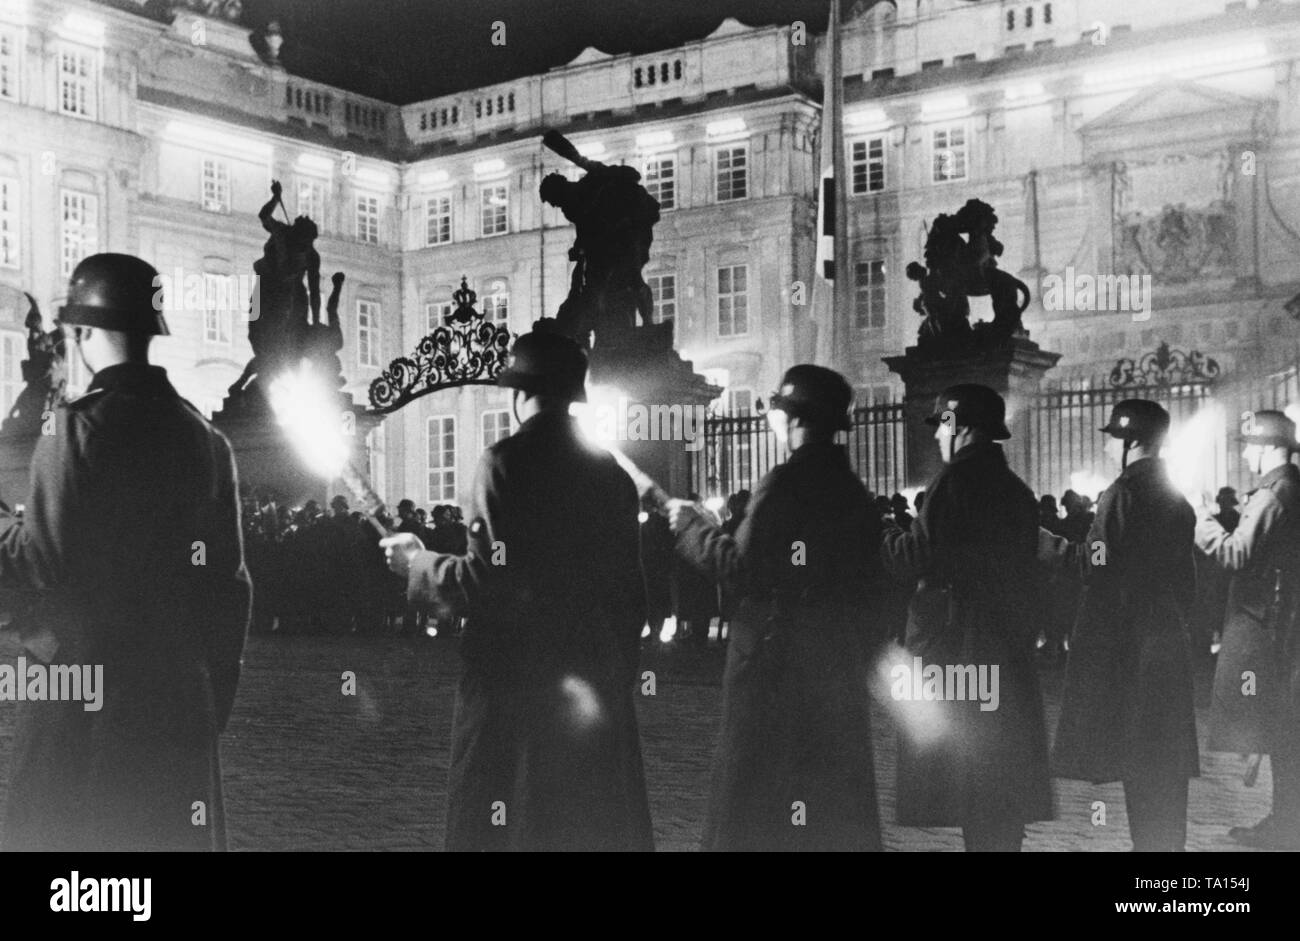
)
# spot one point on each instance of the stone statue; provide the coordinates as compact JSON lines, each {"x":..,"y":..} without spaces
{"x":44,"y":373}
{"x":323,"y":341}
{"x":961,"y":255}
{"x":614,"y":217}
{"x":232,"y":10}
{"x":282,"y":308}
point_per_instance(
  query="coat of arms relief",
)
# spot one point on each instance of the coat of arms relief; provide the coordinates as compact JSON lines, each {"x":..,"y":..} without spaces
{"x":1175,"y":218}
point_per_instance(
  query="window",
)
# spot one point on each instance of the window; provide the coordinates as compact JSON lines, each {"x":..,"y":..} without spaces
{"x":8,"y":64}
{"x":13,"y":350}
{"x":496,"y":303}
{"x":663,"y":289}
{"x":218,"y":313}
{"x":733,"y":300}
{"x":311,"y":200}
{"x":436,"y":314}
{"x":1011,"y":20}
{"x":367,"y":333}
{"x":869,"y":294}
{"x":949,"y":150}
{"x":77,"y":81}
{"x":732,"y":165}
{"x":495,"y":427}
{"x":1029,"y":17}
{"x":437,"y":220}
{"x":660,"y":180}
{"x":740,"y":403}
{"x":10,"y":256}
{"x":216,"y":185}
{"x":368,"y":218}
{"x":1047,"y":13}
{"x":494,"y":206}
{"x":442,"y":458}
{"x":868,"y":165}
{"x":80,"y":229}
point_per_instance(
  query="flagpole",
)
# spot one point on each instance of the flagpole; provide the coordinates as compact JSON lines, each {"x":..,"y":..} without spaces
{"x":829,"y":263}
{"x":842,"y":295}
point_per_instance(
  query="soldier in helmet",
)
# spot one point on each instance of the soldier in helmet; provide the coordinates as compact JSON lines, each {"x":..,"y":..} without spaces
{"x":545,"y":750}
{"x":132,"y":533}
{"x":804,"y":571}
{"x":971,"y":553}
{"x":1128,"y":713}
{"x":1256,"y":704}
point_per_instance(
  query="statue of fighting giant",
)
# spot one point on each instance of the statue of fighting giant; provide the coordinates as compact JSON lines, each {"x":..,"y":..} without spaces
{"x":614,"y":217}
{"x":961,"y":256}
{"x":44,"y":373}
{"x":285,"y":322}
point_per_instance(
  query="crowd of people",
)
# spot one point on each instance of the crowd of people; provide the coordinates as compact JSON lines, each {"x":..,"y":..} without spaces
{"x":324,"y":572}
{"x":129,"y":556}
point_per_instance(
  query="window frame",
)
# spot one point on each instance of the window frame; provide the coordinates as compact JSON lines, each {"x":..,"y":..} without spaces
{"x":222,"y":317}
{"x":964,"y":148}
{"x":363,"y":216}
{"x":86,"y":234}
{"x":655,"y":281}
{"x":730,"y":149}
{"x":877,"y":286}
{"x":11,"y":69}
{"x":484,"y":444}
{"x":219,"y":181}
{"x":368,"y":311}
{"x":11,"y":220}
{"x":446,"y":468}
{"x":444,"y":219}
{"x":316,"y":186}
{"x":731,"y":294}
{"x":867,"y":163}
{"x":86,"y":84}
{"x":656,"y":182}
{"x":484,"y":206}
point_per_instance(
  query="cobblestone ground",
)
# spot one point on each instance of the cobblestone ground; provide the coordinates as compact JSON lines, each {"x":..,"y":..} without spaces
{"x":307,"y":768}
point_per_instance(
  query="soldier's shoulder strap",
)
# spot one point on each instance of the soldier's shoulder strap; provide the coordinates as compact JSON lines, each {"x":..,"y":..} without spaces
{"x":84,"y":400}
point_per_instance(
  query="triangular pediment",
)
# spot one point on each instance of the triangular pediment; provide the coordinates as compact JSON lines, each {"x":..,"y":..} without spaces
{"x":729,"y":27}
{"x":1171,"y":101}
{"x":589,"y":55}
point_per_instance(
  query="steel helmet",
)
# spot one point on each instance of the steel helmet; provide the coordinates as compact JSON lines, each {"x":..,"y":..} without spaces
{"x":1137,"y":420}
{"x":1269,"y":428}
{"x":546,"y":363}
{"x":973,"y":406}
{"x":815,"y":392}
{"x":115,"y":292}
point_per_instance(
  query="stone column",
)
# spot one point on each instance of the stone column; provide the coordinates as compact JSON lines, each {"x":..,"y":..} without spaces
{"x":645,"y":371}
{"x":266,"y":459}
{"x":1014,"y":370}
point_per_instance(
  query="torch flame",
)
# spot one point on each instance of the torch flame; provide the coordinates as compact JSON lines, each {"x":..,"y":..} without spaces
{"x":308,"y":410}
{"x":1189,"y":452}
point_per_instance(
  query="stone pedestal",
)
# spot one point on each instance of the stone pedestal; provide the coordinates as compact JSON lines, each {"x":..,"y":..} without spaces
{"x":266,"y":458}
{"x":1013,"y":368}
{"x":640,"y":369}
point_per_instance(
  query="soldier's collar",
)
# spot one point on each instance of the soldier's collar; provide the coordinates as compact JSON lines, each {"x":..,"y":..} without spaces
{"x":128,"y":374}
{"x":1282,"y":470}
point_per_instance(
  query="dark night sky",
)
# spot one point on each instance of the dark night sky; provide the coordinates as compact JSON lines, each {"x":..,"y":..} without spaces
{"x":407,"y":50}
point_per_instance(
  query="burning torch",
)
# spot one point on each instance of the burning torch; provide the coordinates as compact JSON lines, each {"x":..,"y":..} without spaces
{"x":307,"y":409}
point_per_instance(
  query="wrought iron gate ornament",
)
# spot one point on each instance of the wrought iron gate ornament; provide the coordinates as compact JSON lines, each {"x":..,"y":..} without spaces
{"x":464,"y":350}
{"x":1163,"y":367}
